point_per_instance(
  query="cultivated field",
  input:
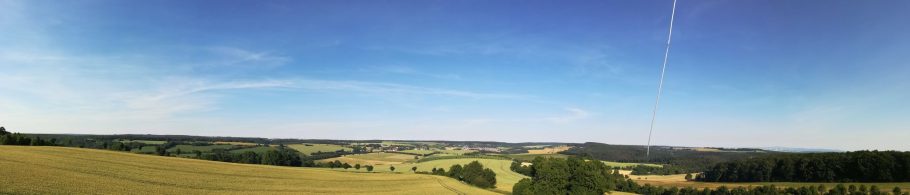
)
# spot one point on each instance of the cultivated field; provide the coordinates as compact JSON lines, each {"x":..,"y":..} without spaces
{"x":376,"y":158}
{"x":505,"y":177}
{"x":307,"y":149}
{"x":419,"y":152}
{"x":550,"y":150}
{"x":59,"y":170}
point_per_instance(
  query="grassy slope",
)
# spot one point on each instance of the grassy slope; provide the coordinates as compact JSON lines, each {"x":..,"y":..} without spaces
{"x":505,"y":178}
{"x":313,"y":148}
{"x":58,"y":170}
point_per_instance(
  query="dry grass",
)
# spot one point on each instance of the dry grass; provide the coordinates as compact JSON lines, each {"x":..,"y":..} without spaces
{"x":550,"y":150}
{"x":58,"y":170}
{"x":377,"y":158}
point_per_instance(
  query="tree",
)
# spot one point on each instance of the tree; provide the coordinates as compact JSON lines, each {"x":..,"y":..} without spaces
{"x":370,"y":168}
{"x":357,"y":166}
{"x":896,"y":190}
{"x":413,"y":169}
{"x":688,"y":176}
{"x":392,"y":168}
{"x":3,"y":131}
{"x":346,"y":166}
{"x":455,"y":172}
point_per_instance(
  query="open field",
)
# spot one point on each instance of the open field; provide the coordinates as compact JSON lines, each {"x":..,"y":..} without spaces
{"x":550,"y":150}
{"x":530,"y":157}
{"x":505,"y":178}
{"x":307,"y":149}
{"x":190,"y":148}
{"x":679,"y":180}
{"x":59,"y":170}
{"x":456,"y":152}
{"x":419,"y":152}
{"x":376,"y":158}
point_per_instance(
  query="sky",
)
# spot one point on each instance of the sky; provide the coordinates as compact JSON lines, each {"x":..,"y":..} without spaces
{"x":814,"y":74}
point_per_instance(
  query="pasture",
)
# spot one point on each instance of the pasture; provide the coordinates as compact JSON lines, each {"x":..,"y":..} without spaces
{"x":307,"y":149}
{"x":419,"y":152}
{"x":59,"y":170}
{"x":505,"y":177}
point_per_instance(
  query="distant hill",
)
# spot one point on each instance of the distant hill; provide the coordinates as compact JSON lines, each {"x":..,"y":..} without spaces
{"x":800,"y":150}
{"x":687,"y":159}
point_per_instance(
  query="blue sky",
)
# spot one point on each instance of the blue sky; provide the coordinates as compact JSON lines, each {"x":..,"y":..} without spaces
{"x":827,"y":74}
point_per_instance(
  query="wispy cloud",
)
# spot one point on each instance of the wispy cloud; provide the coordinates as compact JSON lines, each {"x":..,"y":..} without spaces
{"x":232,"y":56}
{"x":392,"y":88}
{"x":573,"y":114}
{"x":404,"y":70}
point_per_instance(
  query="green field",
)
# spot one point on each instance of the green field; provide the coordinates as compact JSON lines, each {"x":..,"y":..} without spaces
{"x":530,"y":157}
{"x":59,"y":170}
{"x":505,"y":178}
{"x":204,"y":149}
{"x":257,"y":150}
{"x":419,"y":152}
{"x":456,"y":152}
{"x":307,"y":149}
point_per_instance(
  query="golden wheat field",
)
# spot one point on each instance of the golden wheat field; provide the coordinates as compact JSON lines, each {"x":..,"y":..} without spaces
{"x":59,"y":170}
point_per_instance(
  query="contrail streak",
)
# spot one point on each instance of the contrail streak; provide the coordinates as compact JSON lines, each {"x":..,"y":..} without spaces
{"x":660,"y":84}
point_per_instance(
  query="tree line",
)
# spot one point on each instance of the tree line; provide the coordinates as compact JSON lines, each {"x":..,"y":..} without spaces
{"x":568,"y":176}
{"x":681,"y":160}
{"x":840,"y":189}
{"x":7,"y":138}
{"x":859,"y":166}
{"x":472,"y":173}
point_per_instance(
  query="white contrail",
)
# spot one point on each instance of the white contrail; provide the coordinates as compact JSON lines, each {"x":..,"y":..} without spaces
{"x":660,"y":84}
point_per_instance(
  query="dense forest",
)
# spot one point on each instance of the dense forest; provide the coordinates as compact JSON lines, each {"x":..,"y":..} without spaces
{"x":568,"y":176}
{"x":680,"y":160}
{"x":860,"y":166}
{"x":7,"y":138}
{"x":472,"y":173}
